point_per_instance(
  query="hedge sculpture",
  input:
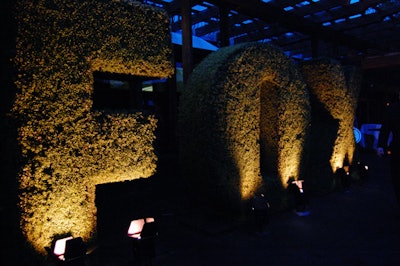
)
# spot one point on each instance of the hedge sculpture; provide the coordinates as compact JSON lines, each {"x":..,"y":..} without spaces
{"x":67,"y":148}
{"x":242,"y":104}
{"x":336,"y":89}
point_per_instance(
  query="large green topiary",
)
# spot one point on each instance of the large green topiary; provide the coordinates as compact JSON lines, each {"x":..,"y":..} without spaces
{"x":334,"y":89}
{"x":237,"y":98}
{"x":67,"y":148}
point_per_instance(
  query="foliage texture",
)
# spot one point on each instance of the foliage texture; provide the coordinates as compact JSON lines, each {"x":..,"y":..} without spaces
{"x":66,"y":147}
{"x":337,"y":89}
{"x":224,"y":115}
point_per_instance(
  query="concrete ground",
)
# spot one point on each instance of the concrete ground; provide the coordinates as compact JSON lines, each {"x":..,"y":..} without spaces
{"x":356,"y":227}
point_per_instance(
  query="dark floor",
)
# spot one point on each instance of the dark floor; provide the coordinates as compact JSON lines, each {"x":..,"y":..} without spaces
{"x":357,"y":227}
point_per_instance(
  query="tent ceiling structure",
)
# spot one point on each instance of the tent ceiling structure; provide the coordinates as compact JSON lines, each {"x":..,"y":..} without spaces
{"x":362,"y":31}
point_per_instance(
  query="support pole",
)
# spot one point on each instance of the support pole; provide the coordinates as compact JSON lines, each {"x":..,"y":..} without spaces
{"x":224,"y":26}
{"x":187,"y":42}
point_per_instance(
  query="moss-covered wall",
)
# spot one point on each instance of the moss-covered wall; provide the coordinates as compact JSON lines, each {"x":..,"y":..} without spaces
{"x":220,"y":122}
{"x":66,"y":148}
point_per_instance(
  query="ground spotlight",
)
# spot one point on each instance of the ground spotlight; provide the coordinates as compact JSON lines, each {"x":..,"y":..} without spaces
{"x":362,"y":170}
{"x":70,"y":251}
{"x":143,"y":233}
{"x":343,"y":178}
{"x":298,"y":197}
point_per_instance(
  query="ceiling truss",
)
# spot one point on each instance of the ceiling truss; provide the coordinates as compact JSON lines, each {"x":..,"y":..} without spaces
{"x":349,"y":30}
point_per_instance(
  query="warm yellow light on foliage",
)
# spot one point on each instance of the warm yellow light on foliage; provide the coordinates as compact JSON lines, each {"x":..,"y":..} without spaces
{"x":292,"y":142}
{"x":249,"y":181}
{"x":337,"y":88}
{"x":68,"y":148}
{"x":289,"y":167}
{"x":225,"y":106}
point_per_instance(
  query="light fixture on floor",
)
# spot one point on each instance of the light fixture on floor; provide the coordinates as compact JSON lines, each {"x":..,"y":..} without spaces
{"x":59,"y":247}
{"x":70,"y":250}
{"x":343,"y":178}
{"x":142,"y":228}
{"x":135,"y":228}
{"x":360,"y":170}
{"x":299,"y":184}
{"x":143,"y":233}
{"x":297,"y":195}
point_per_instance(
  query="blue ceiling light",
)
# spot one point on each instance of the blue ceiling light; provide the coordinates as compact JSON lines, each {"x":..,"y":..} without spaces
{"x":304,"y":3}
{"x":297,"y":56}
{"x":247,"y":21}
{"x":176,"y":18}
{"x":266,"y":1}
{"x":355,"y":16}
{"x":354,"y":1}
{"x":208,"y":4}
{"x":340,"y":20}
{"x":266,"y":40}
{"x":327,"y":23}
{"x":288,"y":8}
{"x":370,"y":10}
{"x":387,"y":18}
{"x":199,"y":8}
{"x":154,"y":4}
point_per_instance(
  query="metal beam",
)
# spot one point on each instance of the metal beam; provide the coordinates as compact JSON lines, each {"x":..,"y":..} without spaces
{"x":272,"y":14}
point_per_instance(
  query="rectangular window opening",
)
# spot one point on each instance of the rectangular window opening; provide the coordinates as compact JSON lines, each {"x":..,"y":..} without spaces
{"x":117,"y":92}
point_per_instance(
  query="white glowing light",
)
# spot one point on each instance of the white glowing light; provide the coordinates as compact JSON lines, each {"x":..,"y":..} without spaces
{"x":135,"y":228}
{"x":299,"y":184}
{"x":149,"y":219}
{"x":59,"y":247}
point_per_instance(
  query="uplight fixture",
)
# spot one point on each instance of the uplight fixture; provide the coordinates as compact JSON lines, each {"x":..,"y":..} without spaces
{"x":143,"y":233}
{"x":137,"y":227}
{"x":297,"y":193}
{"x":59,"y":247}
{"x":299,"y":184}
{"x":70,"y":248}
